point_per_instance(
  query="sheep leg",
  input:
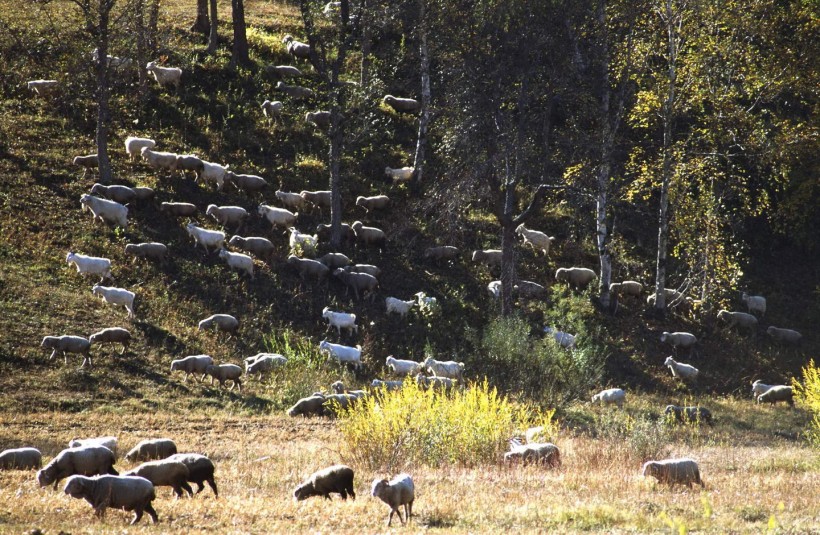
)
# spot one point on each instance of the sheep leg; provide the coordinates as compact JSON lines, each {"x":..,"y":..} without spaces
{"x":65,"y":358}
{"x":52,"y":354}
{"x":152,"y":513}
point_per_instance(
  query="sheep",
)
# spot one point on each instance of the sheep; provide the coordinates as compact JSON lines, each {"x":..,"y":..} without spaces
{"x":536,"y":453}
{"x":214,"y":172}
{"x":331,"y":9}
{"x":777,"y":393}
{"x":364,"y":268}
{"x":625,"y":288}
{"x":178,"y":209}
{"x":90,"y":265}
{"x":393,"y":304}
{"x":116,"y":296}
{"x":221,"y":322}
{"x":308,"y":267}
{"x":403,"y":367}
{"x":679,"y":339}
{"x":194,"y":364}
{"x":88,"y":161}
{"x":395,"y":493}
{"x":323,"y":232}
{"x":335,"y":260}
{"x":263,"y":363}
{"x":309,"y":406}
{"x":689,"y":414}
{"x":529,"y":289}
{"x":112,"y":335}
{"x":535,"y":239}
{"x":319,"y":119}
{"x":238,"y":261}
{"x":120,"y":194}
{"x":294,"y":201}
{"x":611,"y":396}
{"x":672,"y":297}
{"x":295,"y":91}
{"x":260,"y":247}
{"x":112,"y":62}
{"x":425,"y":303}
{"x":247,"y":183}
{"x":364,"y":282}
{"x":143,"y":193}
{"x":317,"y":198}
{"x":68,"y":344}
{"x":225,"y":372}
{"x":130,"y":493}
{"x":295,"y":48}
{"x":340,"y":320}
{"x":441,"y":384}
{"x":105,"y":210}
{"x":488,"y":257}
{"x":272,"y":108}
{"x":754,"y":303}
{"x":681,"y":370}
{"x":387,"y":385}
{"x":343,"y":354}
{"x":43,"y":87}
{"x":758,"y":387}
{"x":406,"y":105}
{"x":670,"y":471}
{"x":784,"y":336}
{"x":227,"y":215}
{"x":200,"y":469}
{"x":20,"y":459}
{"x":449,"y":369}
{"x":578,"y":278}
{"x":442,"y":252}
{"x":399,"y":174}
{"x":134,"y":146}
{"x":109,"y":442}
{"x":338,"y":387}
{"x":190,"y":162}
{"x":376,"y":202}
{"x":368,"y":235}
{"x":160,"y":160}
{"x":165,"y":473}
{"x":84,"y":460}
{"x":206,"y":238}
{"x":494,"y":288}
{"x":283,"y":71}
{"x":306,"y":242}
{"x":336,"y":404}
{"x":278,"y":217}
{"x":148,"y":250}
{"x":165,"y":75}
{"x":151,"y":449}
{"x":563,"y":339}
{"x":741,"y":320}
{"x":337,"y":478}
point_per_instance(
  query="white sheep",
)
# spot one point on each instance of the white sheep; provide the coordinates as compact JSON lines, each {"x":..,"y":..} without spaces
{"x":320,"y":198}
{"x":441,"y":252}
{"x":406,"y":105}
{"x":610,"y":396}
{"x":263,"y":363}
{"x":306,"y":242}
{"x":339,"y":387}
{"x":681,"y":370}
{"x":194,"y":364}
{"x":449,"y":369}
{"x":784,"y":336}
{"x":331,"y":9}
{"x":112,"y":62}
{"x":200,"y":470}
{"x":134,"y":146}
{"x":278,"y":217}
{"x":116,"y":296}
{"x":148,"y":250}
{"x":632,"y":288}
{"x":105,"y":210}
{"x":319,"y":119}
{"x":670,"y":471}
{"x":754,"y":303}
{"x":120,"y":194}
{"x":535,"y":238}
{"x":360,"y":282}
{"x":130,"y":493}
{"x":221,"y":322}
{"x":238,"y":261}
{"x":165,"y":473}
{"x":364,"y":268}
{"x":400,"y":174}
{"x":90,"y":265}
{"x":272,"y":109}
{"x":323,"y":232}
{"x":283,"y":71}
{"x":260,"y":247}
{"x":395,"y":305}
{"x":758,"y":387}
{"x":679,"y":339}
{"x":165,"y":75}
{"x":777,"y":393}
{"x":214,"y":172}
{"x":340,"y":320}
{"x":190,"y":162}
{"x":225,"y":372}
{"x":87,"y":161}
{"x":206,"y":238}
{"x":109,"y":442}
{"x":488,"y":257}
{"x":297,"y":49}
{"x":160,"y":160}
{"x":376,"y":202}
{"x":227,"y":215}
{"x":369,"y":235}
{"x":578,"y":278}
{"x":403,"y":367}
{"x":294,"y":201}
{"x":112,"y":335}
{"x":494,"y":287}
{"x":85,"y":460}
{"x":152,"y":449}
{"x":247,"y":183}
{"x":335,"y":260}
{"x":20,"y":459}
{"x":309,"y":267}
{"x":295,"y":91}
{"x":533,"y":453}
{"x":441,"y":384}
{"x":529,"y":289}
{"x":387,"y":385}
{"x":43,"y":87}
{"x":68,"y":344}
{"x":343,"y":354}
{"x":178,"y":209}
{"x":741,"y":320}
{"x":563,"y":339}
{"x":395,"y":493}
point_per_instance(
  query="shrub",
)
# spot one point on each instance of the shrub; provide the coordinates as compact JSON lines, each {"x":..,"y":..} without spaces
{"x":808,"y":392}
{"x":645,"y":438}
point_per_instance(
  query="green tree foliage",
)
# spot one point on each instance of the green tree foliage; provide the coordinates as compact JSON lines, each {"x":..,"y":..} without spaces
{"x":808,"y":392}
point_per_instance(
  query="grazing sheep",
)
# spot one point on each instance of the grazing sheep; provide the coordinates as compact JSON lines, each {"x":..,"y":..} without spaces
{"x":272,"y":109}
{"x":194,"y":364}
{"x":297,"y":49}
{"x":563,"y":339}
{"x":85,"y":460}
{"x":88,"y":161}
{"x":130,"y":493}
{"x":151,"y":449}
{"x":90,"y":265}
{"x":536,"y":453}
{"x":134,"y":146}
{"x":777,"y":393}
{"x":398,"y":306}
{"x":488,"y":257}
{"x":529,"y":289}
{"x":178,"y":209}
{"x":278,"y":217}
{"x":112,"y":62}
{"x":442,"y":252}
{"x":377,"y":202}
{"x":68,"y":344}
{"x":283,"y":71}
{"x":148,"y":250}
{"x":109,"y":442}
{"x":679,"y":339}
{"x":213,"y":172}
{"x":143,"y":193}
{"x":165,"y":473}
{"x":681,"y":370}
{"x":535,"y":239}
{"x":403,"y":367}
{"x":578,"y":278}
{"x":190,"y":162}
{"x":206,"y":238}
{"x":227,"y":215}
{"x":402,"y":105}
{"x":20,"y":459}
{"x":306,"y":242}
{"x":672,"y":297}
{"x":238,"y":261}
{"x":439,"y":384}
{"x":309,"y":268}
{"x":689,"y":414}
{"x":625,"y":288}
{"x":340,"y":320}
{"x":320,"y":199}
{"x":247,"y":183}
{"x":263,"y":363}
{"x":368,"y":235}
{"x":754,"y":303}
{"x":335,"y":260}
{"x":338,"y":387}
{"x":323,"y":233}
{"x":741,"y":320}
{"x":319,"y":119}
{"x":611,"y":396}
{"x":294,"y":201}
{"x":337,"y":478}
{"x":387,"y":385}
{"x":336,"y":404}
{"x":106,"y":211}
{"x":225,"y":372}
{"x":399,"y":174}
{"x":494,"y":288}
{"x":221,"y":322}
{"x":262,"y":248}
{"x":116,"y":296}
{"x":295,"y":91}
{"x":43,"y":87}
{"x":165,"y":75}
{"x":309,"y":406}
{"x":332,"y":9}
{"x":160,"y":160}
{"x":784,"y":336}
{"x":364,"y":268}
{"x":758,"y":387}
{"x":112,"y":335}
{"x":364,"y":282}
{"x":449,"y":368}
{"x":120,"y":194}
{"x":395,"y":493}
{"x":671,"y":471}
{"x":200,"y":469}
{"x":343,"y":354}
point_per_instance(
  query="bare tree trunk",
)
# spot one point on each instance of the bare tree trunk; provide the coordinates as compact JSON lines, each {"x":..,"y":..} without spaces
{"x":424,"y":119}
{"x":104,"y":9}
{"x":239,"y":54}
{"x":213,"y":38}
{"x":153,"y":20}
{"x":139,"y":29}
{"x":202,"y":23}
{"x":507,"y":263}
{"x":604,"y":166}
{"x":364,"y":77}
{"x":336,"y":137}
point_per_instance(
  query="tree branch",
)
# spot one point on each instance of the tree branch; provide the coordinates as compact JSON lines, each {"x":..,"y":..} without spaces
{"x":535,"y":203}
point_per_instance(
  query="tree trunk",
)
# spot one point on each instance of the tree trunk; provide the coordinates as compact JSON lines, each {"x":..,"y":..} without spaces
{"x":213,"y":38}
{"x":336,"y":137}
{"x":153,"y":20}
{"x":604,"y":166}
{"x":202,"y":23}
{"x":364,"y":77}
{"x":424,"y":119}
{"x":139,"y":29}
{"x":240,"y":39}
{"x":103,"y":91}
{"x":507,"y":267}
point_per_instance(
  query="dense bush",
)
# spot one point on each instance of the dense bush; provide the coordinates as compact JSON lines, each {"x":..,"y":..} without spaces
{"x":808,"y":392}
